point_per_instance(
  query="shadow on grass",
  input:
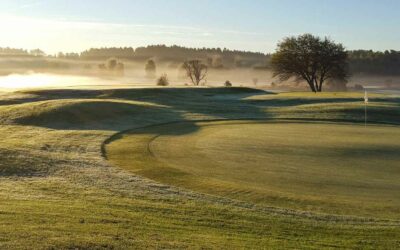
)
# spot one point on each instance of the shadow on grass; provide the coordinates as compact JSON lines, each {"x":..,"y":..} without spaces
{"x":97,"y":115}
{"x":132,"y":94}
{"x":16,"y":162}
{"x":304,"y":101}
{"x":119,"y":110}
{"x":111,"y":109}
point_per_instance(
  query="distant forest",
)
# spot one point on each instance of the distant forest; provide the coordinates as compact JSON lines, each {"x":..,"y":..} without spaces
{"x":361,"y":61}
{"x":217,"y":57}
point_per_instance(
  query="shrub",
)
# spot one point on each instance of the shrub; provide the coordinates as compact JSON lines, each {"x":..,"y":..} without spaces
{"x":163,"y":80}
{"x":228,"y":84}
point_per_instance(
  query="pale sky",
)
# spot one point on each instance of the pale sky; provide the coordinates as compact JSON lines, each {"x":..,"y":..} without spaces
{"x":255,"y":25}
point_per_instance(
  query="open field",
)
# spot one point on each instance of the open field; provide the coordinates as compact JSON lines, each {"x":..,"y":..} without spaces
{"x":58,"y":191}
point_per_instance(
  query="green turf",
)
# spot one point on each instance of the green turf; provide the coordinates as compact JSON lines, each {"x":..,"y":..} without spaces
{"x":331,"y":168}
{"x":57,"y":191}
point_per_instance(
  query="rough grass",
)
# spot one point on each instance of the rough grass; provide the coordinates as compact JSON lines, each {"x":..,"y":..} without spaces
{"x":57,"y":191}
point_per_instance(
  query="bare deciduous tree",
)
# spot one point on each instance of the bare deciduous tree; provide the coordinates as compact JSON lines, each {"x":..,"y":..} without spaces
{"x":196,"y":71}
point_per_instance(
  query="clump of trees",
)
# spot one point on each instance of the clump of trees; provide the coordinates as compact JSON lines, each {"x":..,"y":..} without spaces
{"x":150,"y":68}
{"x":196,"y":71}
{"x":163,"y":80}
{"x":113,"y":66}
{"x":311,"y":59}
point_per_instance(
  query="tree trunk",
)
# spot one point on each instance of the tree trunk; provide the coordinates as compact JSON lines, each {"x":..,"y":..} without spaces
{"x":312,"y":86}
{"x":319,"y":86}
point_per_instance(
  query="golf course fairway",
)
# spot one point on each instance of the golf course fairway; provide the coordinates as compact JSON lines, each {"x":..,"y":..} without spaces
{"x":330,"y":168}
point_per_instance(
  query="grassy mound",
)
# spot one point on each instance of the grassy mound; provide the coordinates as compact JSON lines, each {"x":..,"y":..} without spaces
{"x":83,"y":113}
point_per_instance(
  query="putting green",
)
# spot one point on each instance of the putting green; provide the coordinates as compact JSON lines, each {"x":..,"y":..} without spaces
{"x":330,"y":168}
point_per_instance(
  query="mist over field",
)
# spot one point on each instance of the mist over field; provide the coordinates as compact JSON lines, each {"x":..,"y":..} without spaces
{"x":17,"y":72}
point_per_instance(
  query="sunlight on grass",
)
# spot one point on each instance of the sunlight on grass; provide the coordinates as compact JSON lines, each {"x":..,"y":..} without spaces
{"x":289,"y":165}
{"x":57,"y":190}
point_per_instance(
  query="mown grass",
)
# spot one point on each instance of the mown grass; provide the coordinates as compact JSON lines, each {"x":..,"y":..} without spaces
{"x":324,"y":167}
{"x":57,"y":191}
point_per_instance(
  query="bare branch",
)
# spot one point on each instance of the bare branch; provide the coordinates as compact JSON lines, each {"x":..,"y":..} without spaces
{"x":196,"y":71}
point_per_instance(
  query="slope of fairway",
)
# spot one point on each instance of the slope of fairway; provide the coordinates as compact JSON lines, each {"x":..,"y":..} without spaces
{"x":57,"y":191}
{"x":331,"y":168}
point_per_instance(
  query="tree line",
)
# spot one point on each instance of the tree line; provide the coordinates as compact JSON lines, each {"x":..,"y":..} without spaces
{"x":213,"y":57}
{"x":375,"y":62}
{"x":20,"y":52}
{"x":360,"y":61}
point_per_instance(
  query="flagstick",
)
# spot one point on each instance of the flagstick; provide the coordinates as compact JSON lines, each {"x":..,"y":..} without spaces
{"x":365,"y":107}
{"x":365,"y":114}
